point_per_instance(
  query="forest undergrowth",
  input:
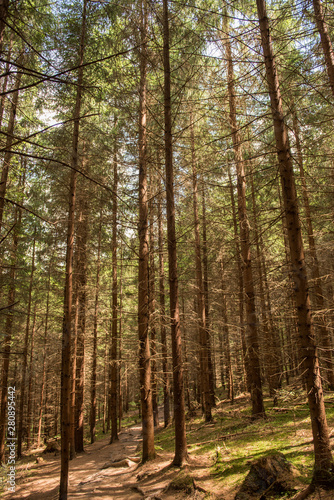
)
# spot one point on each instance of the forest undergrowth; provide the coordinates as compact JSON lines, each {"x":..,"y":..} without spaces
{"x":220,"y":455}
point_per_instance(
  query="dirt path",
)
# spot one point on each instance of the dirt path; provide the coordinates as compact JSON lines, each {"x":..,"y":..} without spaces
{"x":90,"y":477}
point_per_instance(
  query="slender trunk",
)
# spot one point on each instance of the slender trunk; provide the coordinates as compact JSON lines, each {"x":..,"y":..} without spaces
{"x":73,"y":373}
{"x":30,"y":379}
{"x":152,"y":318}
{"x":105,"y":384}
{"x":81,"y":284}
{"x":326,"y":42}
{"x":94,"y":354}
{"x":120,"y":353}
{"x":206,"y":302}
{"x":179,"y":406}
{"x":5,"y":82}
{"x":324,"y":338}
{"x":201,"y":310}
{"x":245,"y":364}
{"x":114,"y":364}
{"x":4,"y":5}
{"x":249,"y":296}
{"x":143,"y":305}
{"x":270,"y":335}
{"x":25,"y":356}
{"x":226,"y":339}
{"x":42,"y":390}
{"x":8,"y":337}
{"x":324,"y":467}
{"x":9,"y":141}
{"x":163,"y":315}
{"x":66,"y":338}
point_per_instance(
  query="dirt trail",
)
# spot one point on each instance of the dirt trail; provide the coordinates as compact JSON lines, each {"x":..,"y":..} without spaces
{"x":87,"y":477}
{"x":91,"y":480}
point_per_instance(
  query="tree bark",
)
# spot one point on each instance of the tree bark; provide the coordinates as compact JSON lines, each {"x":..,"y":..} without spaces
{"x":152,"y":315}
{"x":326,"y":42}
{"x":66,"y":338}
{"x":25,"y":355}
{"x":212,"y":381}
{"x":81,"y":284}
{"x":8,"y":337}
{"x":163,"y":315}
{"x":322,"y":332}
{"x":201,"y":310}
{"x":179,"y":406}
{"x":249,"y":295}
{"x":9,"y":142}
{"x":324,"y":466}
{"x":30,"y":380}
{"x":94,"y":353}
{"x":143,"y":305}
{"x":114,"y":363}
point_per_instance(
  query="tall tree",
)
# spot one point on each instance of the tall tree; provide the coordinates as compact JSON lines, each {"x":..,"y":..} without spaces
{"x":249,"y":292}
{"x":324,"y":466}
{"x":179,"y":406}
{"x":143,"y":305}
{"x":67,"y":318}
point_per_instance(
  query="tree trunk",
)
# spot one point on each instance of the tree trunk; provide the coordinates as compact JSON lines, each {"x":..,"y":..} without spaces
{"x":9,"y":141}
{"x":324,"y":338}
{"x":325,"y":41}
{"x":8,"y":337}
{"x":81,"y":283}
{"x":324,"y":467}
{"x":206,"y":302}
{"x":249,"y":296}
{"x":143,"y":305}
{"x":4,"y":5}
{"x":152,"y":315}
{"x":94,"y":353}
{"x":114,"y":364}
{"x":201,"y":310}
{"x":66,"y":339}
{"x":271,"y":338}
{"x":163,"y":316}
{"x":30,"y":380}
{"x":179,"y":406}
{"x":25,"y":355}
{"x":226,"y":341}
{"x":42,"y":390}
{"x":245,"y":366}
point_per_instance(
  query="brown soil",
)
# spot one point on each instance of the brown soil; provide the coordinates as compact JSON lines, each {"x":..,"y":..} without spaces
{"x":91,"y":478}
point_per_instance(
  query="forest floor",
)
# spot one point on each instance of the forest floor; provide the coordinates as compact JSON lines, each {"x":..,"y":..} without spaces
{"x":220,"y":456}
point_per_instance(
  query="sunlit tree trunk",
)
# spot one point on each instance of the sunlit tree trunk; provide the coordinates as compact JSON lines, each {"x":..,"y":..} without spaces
{"x":179,"y":406}
{"x":143,"y":305}
{"x":326,"y":42}
{"x":324,"y":467}
{"x":114,"y":363}
{"x":252,"y":343}
{"x":152,"y":315}
{"x":203,"y":338}
{"x":9,"y":142}
{"x":94,"y":353}
{"x":30,"y":380}
{"x":66,"y":338}
{"x":324,"y":337}
{"x":163,"y":315}
{"x":8,"y":336}
{"x":25,"y":354}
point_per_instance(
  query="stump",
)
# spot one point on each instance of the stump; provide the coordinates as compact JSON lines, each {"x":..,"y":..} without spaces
{"x":269,"y":477}
{"x":52,"y":446}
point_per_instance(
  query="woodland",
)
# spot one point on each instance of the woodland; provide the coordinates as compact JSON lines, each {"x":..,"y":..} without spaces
{"x":166,"y":233}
